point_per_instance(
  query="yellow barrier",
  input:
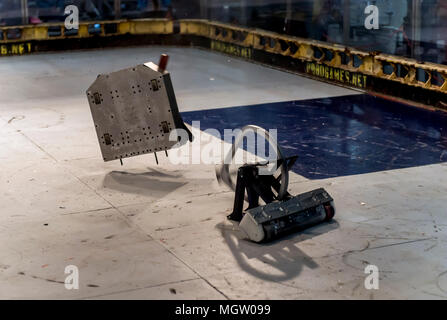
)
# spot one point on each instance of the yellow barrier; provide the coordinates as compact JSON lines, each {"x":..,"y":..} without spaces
{"x":331,"y":55}
{"x":323,"y":59}
{"x":50,"y":31}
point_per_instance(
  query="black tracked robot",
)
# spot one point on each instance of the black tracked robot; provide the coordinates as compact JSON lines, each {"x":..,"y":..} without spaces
{"x":282,"y":212}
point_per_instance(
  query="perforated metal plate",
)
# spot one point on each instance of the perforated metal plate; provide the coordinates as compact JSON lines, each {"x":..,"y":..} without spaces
{"x":134,"y":110}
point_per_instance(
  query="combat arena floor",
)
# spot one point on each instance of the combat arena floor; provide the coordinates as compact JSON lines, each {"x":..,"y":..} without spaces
{"x":150,"y":231}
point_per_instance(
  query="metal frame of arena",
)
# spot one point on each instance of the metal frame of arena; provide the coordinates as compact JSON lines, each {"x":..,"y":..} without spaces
{"x":375,"y":72}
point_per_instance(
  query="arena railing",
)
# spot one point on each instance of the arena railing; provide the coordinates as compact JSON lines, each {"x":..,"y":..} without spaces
{"x":401,"y":77}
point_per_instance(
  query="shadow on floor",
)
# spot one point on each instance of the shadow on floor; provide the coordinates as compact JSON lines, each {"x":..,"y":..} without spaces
{"x":153,"y":183}
{"x":281,"y":254}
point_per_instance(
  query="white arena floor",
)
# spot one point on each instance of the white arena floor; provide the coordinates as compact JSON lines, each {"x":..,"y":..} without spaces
{"x":147,"y":231}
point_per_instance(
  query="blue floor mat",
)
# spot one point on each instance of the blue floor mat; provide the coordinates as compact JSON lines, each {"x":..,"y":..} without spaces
{"x":342,"y":135}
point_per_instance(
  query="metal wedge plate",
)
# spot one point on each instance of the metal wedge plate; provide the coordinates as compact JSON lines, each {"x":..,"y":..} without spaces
{"x":134,"y":110}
